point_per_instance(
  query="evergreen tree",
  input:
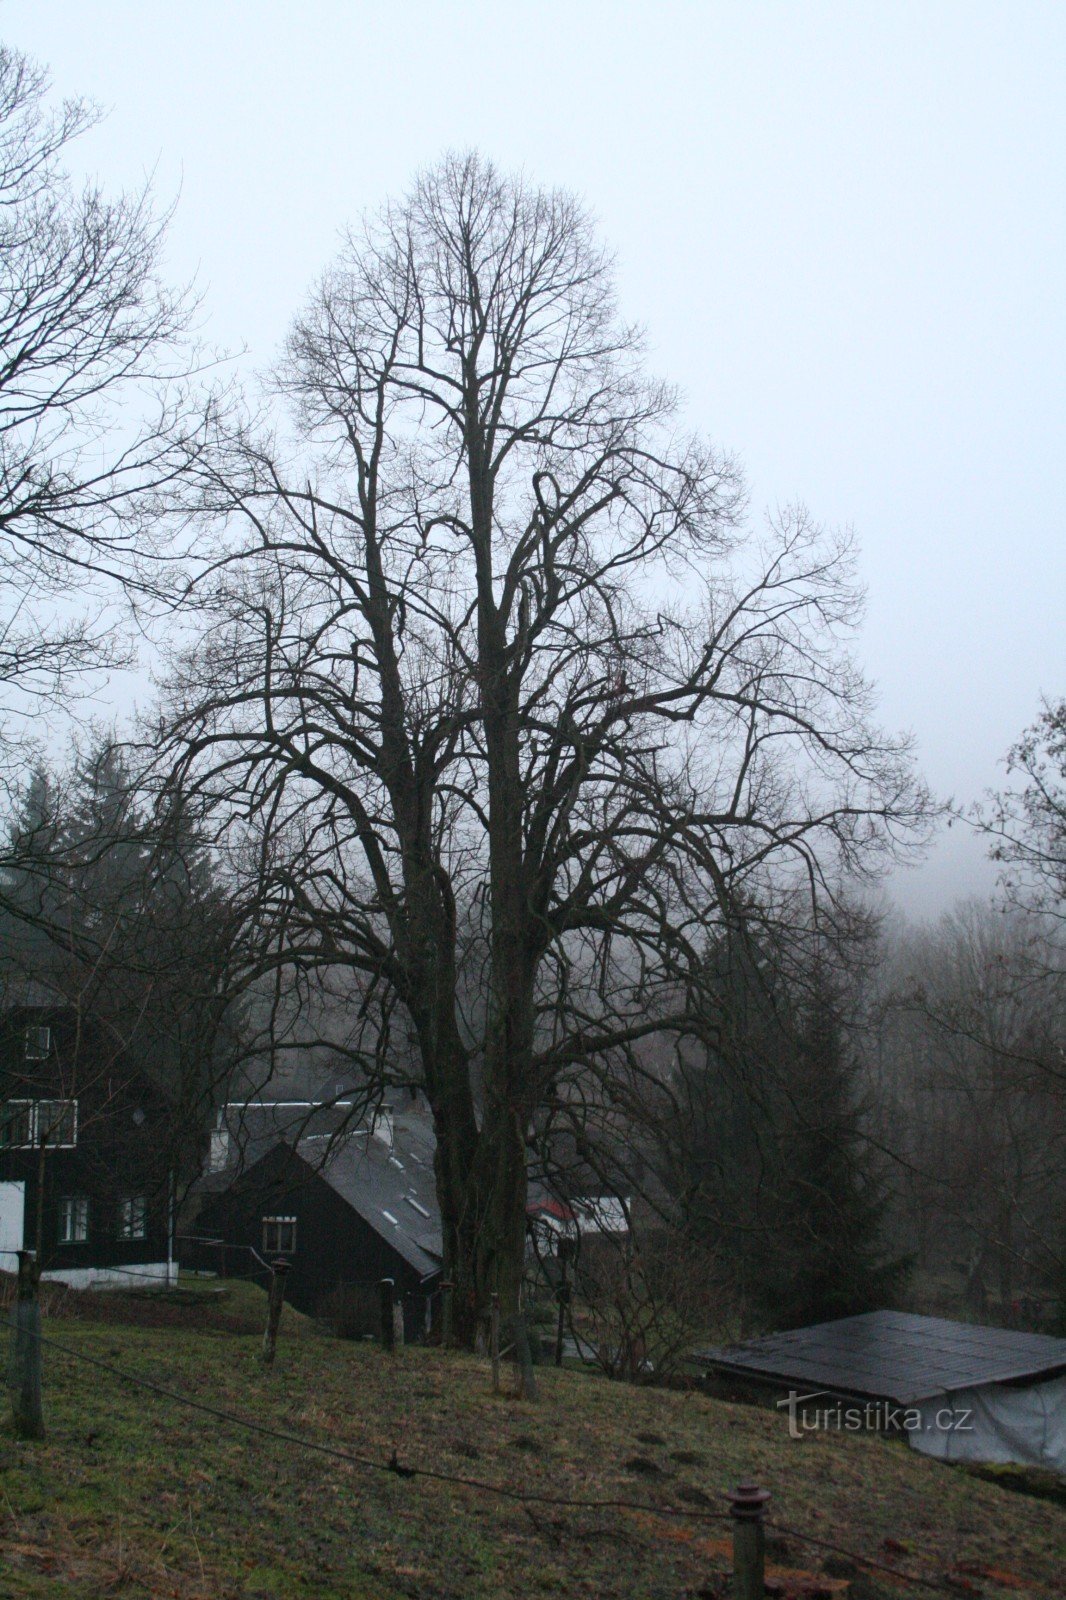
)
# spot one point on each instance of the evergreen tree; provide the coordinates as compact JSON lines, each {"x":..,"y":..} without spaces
{"x":31,"y":894}
{"x":768,"y":1153}
{"x":113,"y":905}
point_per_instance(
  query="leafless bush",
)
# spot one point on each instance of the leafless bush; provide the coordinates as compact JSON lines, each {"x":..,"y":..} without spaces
{"x":645,"y":1303}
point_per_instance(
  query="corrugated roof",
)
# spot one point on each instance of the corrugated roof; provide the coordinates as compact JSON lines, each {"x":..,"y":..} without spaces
{"x":892,"y":1355}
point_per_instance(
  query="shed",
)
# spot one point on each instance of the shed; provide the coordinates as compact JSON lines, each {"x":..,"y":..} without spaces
{"x":961,"y":1392}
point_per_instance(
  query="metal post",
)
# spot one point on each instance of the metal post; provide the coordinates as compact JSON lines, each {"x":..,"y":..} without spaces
{"x":494,"y":1342}
{"x":388,"y":1326}
{"x":278,"y":1272}
{"x":747,"y":1503}
{"x":24,"y":1378}
{"x":172,"y":1269}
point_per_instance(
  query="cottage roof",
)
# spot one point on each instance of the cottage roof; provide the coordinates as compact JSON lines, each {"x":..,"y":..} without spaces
{"x":892,"y":1355}
{"x":392,"y":1188}
{"x":383,"y":1170}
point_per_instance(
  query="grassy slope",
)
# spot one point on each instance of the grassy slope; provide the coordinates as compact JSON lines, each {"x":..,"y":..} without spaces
{"x":137,"y":1496}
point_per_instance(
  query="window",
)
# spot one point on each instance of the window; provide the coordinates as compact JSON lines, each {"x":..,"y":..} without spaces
{"x":133,"y":1217}
{"x":38,"y":1043}
{"x":279,"y":1235}
{"x":24,"y":1123}
{"x":16,"y":1124}
{"x":73,"y":1219}
{"x":57,"y":1122}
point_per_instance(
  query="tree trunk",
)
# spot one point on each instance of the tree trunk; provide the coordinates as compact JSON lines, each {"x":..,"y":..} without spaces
{"x":481,"y":1190}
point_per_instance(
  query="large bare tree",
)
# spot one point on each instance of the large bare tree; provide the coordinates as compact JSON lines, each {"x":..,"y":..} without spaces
{"x":511,"y":700}
{"x":89,"y":338}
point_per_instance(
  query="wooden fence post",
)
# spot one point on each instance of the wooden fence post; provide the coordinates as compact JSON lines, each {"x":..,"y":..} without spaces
{"x":278,"y":1272}
{"x":527,"y":1383}
{"x":747,"y":1503}
{"x":398,"y":1334}
{"x":388,"y":1326}
{"x":563,"y":1250}
{"x":494,"y":1342}
{"x":24,"y":1377}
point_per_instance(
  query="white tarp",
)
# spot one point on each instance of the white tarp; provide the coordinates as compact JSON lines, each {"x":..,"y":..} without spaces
{"x":1025,"y":1423}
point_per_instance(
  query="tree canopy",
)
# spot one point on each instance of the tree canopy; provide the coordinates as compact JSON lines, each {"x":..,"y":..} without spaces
{"x":506,"y":683}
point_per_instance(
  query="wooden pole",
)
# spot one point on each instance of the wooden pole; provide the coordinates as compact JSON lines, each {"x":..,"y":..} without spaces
{"x":563,"y":1251}
{"x":560,"y":1329}
{"x":25,"y":1372}
{"x":494,"y":1342}
{"x":398,"y":1335}
{"x":527,"y":1383}
{"x":278,"y":1273}
{"x":747,"y":1505}
{"x":388,"y":1326}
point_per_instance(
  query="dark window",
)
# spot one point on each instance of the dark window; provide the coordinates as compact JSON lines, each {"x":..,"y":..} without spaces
{"x":16,"y":1124}
{"x":279,"y":1235}
{"x":38,"y":1043}
{"x":133,"y":1217}
{"x":57,"y":1122}
{"x":73,"y":1219}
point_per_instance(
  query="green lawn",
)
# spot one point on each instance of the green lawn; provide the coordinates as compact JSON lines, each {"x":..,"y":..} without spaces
{"x":134,"y":1495}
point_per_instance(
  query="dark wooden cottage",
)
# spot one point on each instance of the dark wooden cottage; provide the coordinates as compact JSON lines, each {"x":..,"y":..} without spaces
{"x":84,"y":1173}
{"x":344,"y":1206}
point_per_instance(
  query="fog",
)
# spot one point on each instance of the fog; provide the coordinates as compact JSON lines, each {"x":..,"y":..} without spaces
{"x":842,"y":226}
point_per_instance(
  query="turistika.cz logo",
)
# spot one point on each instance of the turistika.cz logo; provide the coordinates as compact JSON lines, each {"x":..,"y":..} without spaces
{"x":870,"y":1416}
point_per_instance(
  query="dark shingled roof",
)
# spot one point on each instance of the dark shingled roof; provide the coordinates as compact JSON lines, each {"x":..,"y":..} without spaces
{"x":892,"y":1355}
{"x":392,"y":1189}
{"x":385,"y":1176}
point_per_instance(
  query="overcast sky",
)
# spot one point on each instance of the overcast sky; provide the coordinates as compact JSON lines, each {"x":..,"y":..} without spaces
{"x":842,"y":224}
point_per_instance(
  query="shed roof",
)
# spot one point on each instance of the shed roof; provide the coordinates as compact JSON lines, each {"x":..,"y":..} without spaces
{"x":893,"y":1355}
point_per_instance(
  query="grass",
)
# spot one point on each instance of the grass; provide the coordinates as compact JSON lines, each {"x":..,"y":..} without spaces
{"x":134,"y":1495}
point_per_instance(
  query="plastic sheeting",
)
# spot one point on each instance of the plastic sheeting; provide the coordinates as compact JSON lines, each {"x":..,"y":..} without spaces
{"x":1000,"y":1422}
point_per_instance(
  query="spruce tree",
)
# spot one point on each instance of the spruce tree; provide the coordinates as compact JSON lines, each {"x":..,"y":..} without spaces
{"x":768,"y":1155}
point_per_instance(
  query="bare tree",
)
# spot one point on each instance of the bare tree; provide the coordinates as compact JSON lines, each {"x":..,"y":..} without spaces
{"x":1026,"y":824}
{"x":87,"y":333}
{"x":972,"y":1096}
{"x":513,"y":701}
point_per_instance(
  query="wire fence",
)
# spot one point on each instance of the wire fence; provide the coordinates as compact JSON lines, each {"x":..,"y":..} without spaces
{"x":407,"y":1471}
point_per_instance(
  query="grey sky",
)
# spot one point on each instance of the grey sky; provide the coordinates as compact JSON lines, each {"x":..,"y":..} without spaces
{"x":843,"y":225}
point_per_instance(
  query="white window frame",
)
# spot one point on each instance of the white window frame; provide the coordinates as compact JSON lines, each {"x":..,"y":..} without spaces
{"x":30,"y":1108}
{"x":132,"y":1217}
{"x":41,"y":1047}
{"x":276,"y":1230}
{"x":34,"y":1122}
{"x":50,"y":1122}
{"x":73,"y":1219}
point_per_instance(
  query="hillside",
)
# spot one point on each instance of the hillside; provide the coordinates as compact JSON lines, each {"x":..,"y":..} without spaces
{"x":135,"y":1494}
